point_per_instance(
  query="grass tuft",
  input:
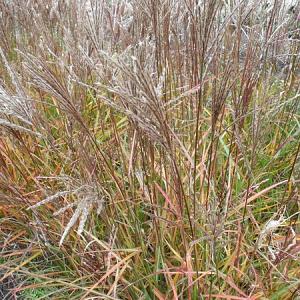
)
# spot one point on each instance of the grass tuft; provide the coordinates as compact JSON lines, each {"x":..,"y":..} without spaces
{"x":149,"y":149}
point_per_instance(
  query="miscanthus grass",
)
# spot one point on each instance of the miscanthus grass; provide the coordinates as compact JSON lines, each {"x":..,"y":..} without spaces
{"x":149,"y":149}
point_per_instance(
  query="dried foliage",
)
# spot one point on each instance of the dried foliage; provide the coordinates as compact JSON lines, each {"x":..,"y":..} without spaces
{"x":166,"y":132}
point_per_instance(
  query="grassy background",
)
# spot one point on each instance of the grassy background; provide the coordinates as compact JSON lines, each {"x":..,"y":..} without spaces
{"x":150,"y":149}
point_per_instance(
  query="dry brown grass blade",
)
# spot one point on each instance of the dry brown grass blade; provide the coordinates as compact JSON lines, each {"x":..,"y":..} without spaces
{"x":109,"y":272}
{"x":24,"y":263}
{"x":261,"y":193}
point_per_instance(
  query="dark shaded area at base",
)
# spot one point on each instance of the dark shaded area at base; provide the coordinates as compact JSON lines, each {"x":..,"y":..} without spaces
{"x":6,"y":289}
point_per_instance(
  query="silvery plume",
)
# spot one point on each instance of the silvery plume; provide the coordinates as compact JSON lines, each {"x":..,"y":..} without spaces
{"x":87,"y":197}
{"x":16,"y":111}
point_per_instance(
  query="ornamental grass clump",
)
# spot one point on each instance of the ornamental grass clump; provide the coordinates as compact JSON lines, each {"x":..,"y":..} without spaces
{"x":150,"y":149}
